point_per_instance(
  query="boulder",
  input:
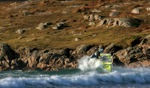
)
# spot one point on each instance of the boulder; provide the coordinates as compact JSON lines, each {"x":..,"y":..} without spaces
{"x":130,"y":55}
{"x":41,"y":65}
{"x":7,"y":54}
{"x":145,"y":63}
{"x":77,"y":39}
{"x":20,"y":31}
{"x":33,"y":60}
{"x":66,"y":52}
{"x":92,"y":50}
{"x":82,"y":49}
{"x":96,"y":11}
{"x":148,"y":8}
{"x":114,"y":14}
{"x":96,"y":17}
{"x":136,"y":41}
{"x":86,"y":17}
{"x":136,"y":10}
{"x":59,"y":25}
{"x":91,"y":17}
{"x":145,"y":41}
{"x":125,"y":22}
{"x":91,"y":23}
{"x":112,"y":48}
{"x":42,"y":26}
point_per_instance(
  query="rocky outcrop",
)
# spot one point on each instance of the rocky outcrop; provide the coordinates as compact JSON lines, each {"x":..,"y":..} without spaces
{"x":114,"y":13}
{"x":7,"y":56}
{"x":59,"y":26}
{"x":137,"y":55}
{"x":42,"y":26}
{"x":112,"y":48}
{"x":125,"y":22}
{"x":32,"y":58}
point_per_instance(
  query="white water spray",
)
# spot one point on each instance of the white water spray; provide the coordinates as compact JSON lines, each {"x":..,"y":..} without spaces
{"x":87,"y":63}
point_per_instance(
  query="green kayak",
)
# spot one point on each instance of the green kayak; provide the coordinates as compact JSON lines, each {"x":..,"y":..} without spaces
{"x":107,"y":62}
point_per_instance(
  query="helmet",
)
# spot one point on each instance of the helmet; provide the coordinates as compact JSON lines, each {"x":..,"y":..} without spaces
{"x":97,"y":53}
{"x":101,"y":50}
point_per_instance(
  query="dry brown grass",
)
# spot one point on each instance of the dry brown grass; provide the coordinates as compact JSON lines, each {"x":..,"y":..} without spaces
{"x":78,"y":28}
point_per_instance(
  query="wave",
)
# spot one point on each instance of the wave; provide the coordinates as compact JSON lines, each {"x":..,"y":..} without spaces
{"x":120,"y":76}
{"x":87,"y":63}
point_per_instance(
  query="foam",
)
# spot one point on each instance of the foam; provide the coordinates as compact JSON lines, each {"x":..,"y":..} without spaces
{"x":87,"y":63}
{"x":139,"y":76}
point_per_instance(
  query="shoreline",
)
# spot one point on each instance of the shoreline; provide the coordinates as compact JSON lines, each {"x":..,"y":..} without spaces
{"x":52,"y":60}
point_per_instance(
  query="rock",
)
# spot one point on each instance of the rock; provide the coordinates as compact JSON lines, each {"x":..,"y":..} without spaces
{"x":86,"y":17}
{"x":59,"y":25}
{"x":7,"y":54}
{"x":66,"y":52}
{"x":26,"y":13}
{"x":41,"y":65}
{"x":77,"y":39}
{"x":117,"y":62}
{"x":91,"y":23}
{"x":92,"y":50}
{"x":43,"y":2}
{"x":147,"y":53}
{"x":126,"y":22}
{"x":112,"y":48}
{"x":145,"y":63}
{"x":33,"y":60}
{"x":96,"y":17}
{"x":136,"y":41}
{"x":91,"y":17}
{"x":130,"y":55}
{"x":42,"y":26}
{"x":114,"y":14}
{"x":82,"y":49}
{"x":136,"y":10}
{"x":55,"y":27}
{"x":96,"y":11}
{"x":145,"y":40}
{"x":148,"y":8}
{"x":21,"y":31}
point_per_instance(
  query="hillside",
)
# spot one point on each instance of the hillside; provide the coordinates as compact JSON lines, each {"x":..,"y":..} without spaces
{"x":26,"y":16}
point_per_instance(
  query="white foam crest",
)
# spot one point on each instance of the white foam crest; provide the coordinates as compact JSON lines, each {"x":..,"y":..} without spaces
{"x":87,"y":63}
{"x":133,"y":76}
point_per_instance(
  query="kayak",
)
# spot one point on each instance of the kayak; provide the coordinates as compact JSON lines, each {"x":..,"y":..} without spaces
{"x":107,"y":62}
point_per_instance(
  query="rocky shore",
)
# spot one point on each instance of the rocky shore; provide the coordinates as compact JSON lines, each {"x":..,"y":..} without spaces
{"x":54,"y":34}
{"x":137,"y":55}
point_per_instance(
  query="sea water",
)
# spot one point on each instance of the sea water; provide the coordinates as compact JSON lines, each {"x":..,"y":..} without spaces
{"x":84,"y":77}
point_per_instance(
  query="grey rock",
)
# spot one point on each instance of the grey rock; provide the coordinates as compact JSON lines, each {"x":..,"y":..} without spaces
{"x":86,"y":17}
{"x":82,"y":49}
{"x":91,"y":17}
{"x":96,"y":11}
{"x":114,"y":14}
{"x":59,"y":25}
{"x":77,"y":39}
{"x":130,"y":55}
{"x":148,"y":8}
{"x":91,"y":23}
{"x":136,"y":10}
{"x":20,"y":31}
{"x":112,"y":48}
{"x":7,"y":54}
{"x":125,"y":22}
{"x":42,"y":26}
